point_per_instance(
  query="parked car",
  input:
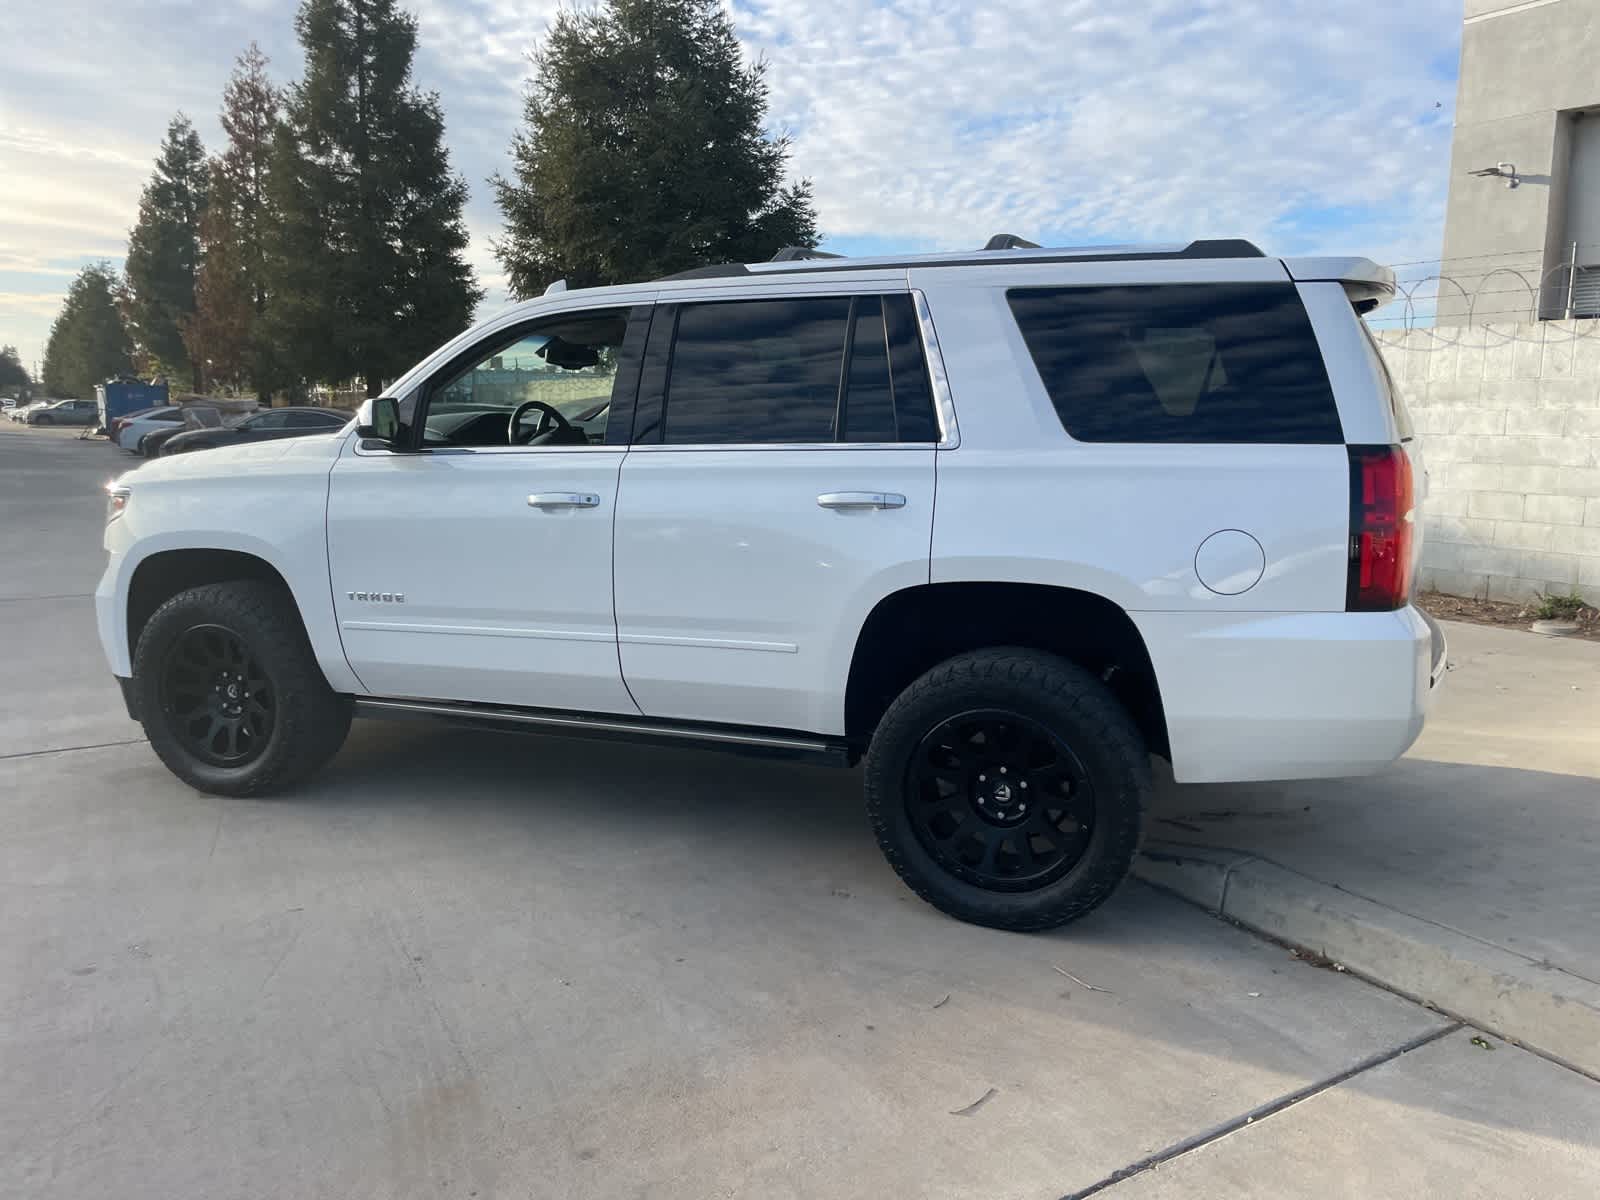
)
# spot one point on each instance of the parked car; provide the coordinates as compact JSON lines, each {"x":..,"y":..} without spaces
{"x":7,"y":403}
{"x":118,"y":424}
{"x":64,"y":412}
{"x":131,"y":435}
{"x":21,"y":411}
{"x":195,"y":417}
{"x":265,"y":426}
{"x":998,"y":525}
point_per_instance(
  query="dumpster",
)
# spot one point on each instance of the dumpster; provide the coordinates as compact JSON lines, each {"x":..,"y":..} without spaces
{"x":119,"y":397}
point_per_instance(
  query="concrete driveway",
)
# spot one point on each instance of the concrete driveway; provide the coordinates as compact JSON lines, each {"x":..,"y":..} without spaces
{"x":461,"y":965}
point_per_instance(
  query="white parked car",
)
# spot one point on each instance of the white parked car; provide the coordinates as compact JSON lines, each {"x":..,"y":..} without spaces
{"x":998,"y":524}
{"x":130,"y":433}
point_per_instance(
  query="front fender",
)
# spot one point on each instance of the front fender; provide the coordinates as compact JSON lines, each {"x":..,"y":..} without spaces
{"x":277,"y":516}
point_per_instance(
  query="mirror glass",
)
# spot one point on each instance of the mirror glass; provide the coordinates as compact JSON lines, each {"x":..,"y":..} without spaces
{"x":383,"y":421}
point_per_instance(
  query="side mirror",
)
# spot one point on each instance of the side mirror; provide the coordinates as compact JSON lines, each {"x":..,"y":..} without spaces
{"x":378,"y":420}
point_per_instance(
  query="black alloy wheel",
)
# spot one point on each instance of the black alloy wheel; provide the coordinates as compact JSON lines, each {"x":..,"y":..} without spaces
{"x":1007,"y":786}
{"x":217,"y":699}
{"x":999,"y":801}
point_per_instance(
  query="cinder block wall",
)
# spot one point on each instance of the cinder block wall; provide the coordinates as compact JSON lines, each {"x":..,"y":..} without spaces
{"x":1509,"y":419}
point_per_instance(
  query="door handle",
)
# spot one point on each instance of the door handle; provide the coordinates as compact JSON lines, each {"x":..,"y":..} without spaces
{"x":563,"y":500}
{"x":861,"y":500}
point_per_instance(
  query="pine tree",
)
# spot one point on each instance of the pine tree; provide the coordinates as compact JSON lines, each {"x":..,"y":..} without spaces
{"x":227,"y":330}
{"x":13,"y":375}
{"x":644,"y":153}
{"x":366,"y":266}
{"x":164,"y":250}
{"x":88,"y":341}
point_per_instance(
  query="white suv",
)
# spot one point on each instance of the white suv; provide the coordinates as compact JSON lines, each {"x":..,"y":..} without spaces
{"x":997,"y":524}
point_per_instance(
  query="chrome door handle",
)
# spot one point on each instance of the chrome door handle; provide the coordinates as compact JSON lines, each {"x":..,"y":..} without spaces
{"x":563,"y":500}
{"x":861,"y":500}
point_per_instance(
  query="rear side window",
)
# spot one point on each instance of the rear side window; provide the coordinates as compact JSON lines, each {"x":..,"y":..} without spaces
{"x":756,"y":371}
{"x":1191,"y":362}
{"x":797,"y":371}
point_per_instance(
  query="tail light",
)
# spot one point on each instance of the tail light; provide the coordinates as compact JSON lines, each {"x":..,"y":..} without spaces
{"x":1382,"y":513}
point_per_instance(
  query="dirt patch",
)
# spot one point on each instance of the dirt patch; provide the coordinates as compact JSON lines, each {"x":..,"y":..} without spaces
{"x":1495,"y":612}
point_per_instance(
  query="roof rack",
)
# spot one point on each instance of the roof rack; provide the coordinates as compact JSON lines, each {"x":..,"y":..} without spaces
{"x":1009,"y":241}
{"x":1016,"y":250}
{"x":796,"y":253}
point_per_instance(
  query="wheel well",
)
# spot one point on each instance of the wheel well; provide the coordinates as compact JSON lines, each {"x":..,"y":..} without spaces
{"x":162,"y":576}
{"x":912,"y":630}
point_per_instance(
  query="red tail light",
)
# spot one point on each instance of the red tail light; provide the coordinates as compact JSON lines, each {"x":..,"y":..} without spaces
{"x":1382,"y":511}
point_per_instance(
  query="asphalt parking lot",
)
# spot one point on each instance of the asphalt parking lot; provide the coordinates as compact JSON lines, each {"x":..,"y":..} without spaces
{"x":463,"y":965}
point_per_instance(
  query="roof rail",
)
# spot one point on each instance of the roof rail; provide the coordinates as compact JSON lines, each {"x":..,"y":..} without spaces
{"x":1009,"y":241}
{"x":796,"y":253}
{"x":802,"y":259}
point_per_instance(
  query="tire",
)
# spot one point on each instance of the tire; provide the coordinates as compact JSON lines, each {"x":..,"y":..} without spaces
{"x":41,"y":419}
{"x":1057,"y":726}
{"x":289,"y":721}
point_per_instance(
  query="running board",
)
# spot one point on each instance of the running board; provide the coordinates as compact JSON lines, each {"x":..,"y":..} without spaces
{"x":778,"y":743}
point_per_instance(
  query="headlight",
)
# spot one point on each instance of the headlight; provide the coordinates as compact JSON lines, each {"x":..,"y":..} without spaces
{"x":116,"y":500}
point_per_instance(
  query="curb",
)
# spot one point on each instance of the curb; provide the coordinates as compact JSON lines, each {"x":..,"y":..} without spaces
{"x":1539,"y":1006}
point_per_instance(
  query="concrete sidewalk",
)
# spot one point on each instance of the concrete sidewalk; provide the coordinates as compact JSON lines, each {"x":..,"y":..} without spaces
{"x":1466,"y":876}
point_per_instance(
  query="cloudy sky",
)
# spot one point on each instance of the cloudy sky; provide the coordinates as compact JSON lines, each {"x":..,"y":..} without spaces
{"x":923,"y":123}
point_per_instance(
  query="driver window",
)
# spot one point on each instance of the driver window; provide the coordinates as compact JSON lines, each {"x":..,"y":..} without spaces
{"x":547,"y":385}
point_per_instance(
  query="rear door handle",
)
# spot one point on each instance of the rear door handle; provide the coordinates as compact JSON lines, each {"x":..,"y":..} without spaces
{"x":861,"y":500}
{"x":563,"y":500}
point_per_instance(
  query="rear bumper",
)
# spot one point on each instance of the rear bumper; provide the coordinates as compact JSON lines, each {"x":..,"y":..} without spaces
{"x":1439,"y":649}
{"x":1291,"y":695}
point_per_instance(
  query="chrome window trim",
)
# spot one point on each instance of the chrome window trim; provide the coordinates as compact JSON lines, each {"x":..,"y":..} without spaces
{"x":939,"y":380}
{"x":657,"y":448}
{"x":944,"y":406}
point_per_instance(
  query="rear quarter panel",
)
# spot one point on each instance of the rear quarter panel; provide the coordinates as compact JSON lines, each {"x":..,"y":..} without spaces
{"x":1019,"y":500}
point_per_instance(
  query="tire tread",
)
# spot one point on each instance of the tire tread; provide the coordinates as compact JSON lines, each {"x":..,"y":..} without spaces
{"x":1098,"y":716}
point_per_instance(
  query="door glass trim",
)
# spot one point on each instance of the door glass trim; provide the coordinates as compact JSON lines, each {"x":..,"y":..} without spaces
{"x":657,"y":447}
{"x":944,"y":406}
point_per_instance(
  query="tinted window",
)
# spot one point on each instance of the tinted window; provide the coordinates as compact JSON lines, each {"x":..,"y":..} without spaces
{"x":1179,"y":363}
{"x":756,"y":371}
{"x":913,"y":395}
{"x":869,"y":396}
{"x":267,"y":421}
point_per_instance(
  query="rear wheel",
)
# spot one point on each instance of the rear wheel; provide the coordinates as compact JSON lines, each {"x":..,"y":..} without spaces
{"x":231,"y":695}
{"x":1007,"y":788}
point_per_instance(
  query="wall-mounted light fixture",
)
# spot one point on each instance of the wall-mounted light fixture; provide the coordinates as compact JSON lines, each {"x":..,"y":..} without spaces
{"x":1506,"y":171}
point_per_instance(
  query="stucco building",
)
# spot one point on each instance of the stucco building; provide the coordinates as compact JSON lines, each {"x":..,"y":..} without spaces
{"x":1529,"y":100}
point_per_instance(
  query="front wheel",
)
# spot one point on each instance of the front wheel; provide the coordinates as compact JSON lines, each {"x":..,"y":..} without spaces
{"x":1007,"y":788}
{"x":43,"y":420}
{"x":230,"y":693}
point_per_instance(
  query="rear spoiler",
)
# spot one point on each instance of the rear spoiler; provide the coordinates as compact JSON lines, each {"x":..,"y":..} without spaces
{"x":1366,"y":283}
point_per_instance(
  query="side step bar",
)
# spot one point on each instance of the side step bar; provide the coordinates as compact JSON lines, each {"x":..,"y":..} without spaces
{"x":768,"y":743}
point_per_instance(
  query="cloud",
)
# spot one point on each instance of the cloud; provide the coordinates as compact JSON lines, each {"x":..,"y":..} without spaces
{"x":922,"y":123}
{"x":1087,"y":121}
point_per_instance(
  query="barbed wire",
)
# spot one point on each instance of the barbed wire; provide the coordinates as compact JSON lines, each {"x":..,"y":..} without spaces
{"x":1480,"y":295}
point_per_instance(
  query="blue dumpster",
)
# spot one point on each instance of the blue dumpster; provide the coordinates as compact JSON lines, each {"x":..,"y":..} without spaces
{"x":119,"y":397}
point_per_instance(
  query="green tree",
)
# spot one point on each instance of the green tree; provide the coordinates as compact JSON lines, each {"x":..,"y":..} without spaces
{"x":88,"y":340}
{"x":644,"y":152}
{"x":13,"y":375}
{"x":227,"y":331}
{"x":164,"y":250}
{"x":366,"y":267}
